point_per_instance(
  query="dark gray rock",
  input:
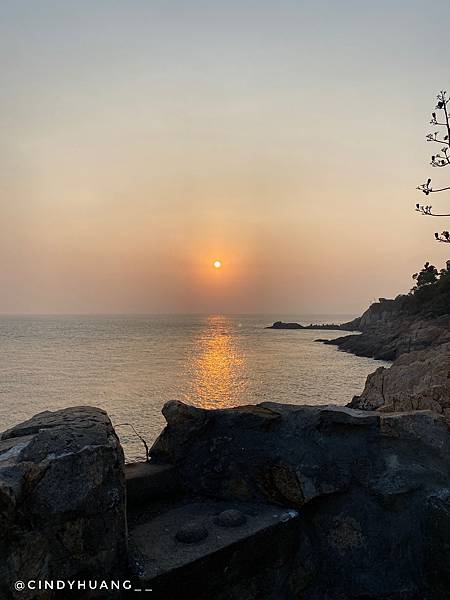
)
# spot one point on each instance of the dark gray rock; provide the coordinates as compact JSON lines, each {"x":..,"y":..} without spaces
{"x":371,"y":490}
{"x":231,"y":518}
{"x":62,"y":500}
{"x":191,"y":533}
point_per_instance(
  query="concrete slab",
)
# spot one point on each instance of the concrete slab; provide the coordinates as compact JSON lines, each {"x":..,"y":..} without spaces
{"x":204,"y":562}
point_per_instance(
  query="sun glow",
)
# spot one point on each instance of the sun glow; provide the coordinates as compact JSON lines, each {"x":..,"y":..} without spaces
{"x":217,"y":264}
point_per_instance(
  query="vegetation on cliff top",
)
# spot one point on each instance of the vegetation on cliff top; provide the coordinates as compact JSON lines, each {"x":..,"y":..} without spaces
{"x":430,"y":297}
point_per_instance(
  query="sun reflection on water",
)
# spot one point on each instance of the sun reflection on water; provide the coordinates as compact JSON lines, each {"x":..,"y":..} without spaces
{"x":218,"y":365}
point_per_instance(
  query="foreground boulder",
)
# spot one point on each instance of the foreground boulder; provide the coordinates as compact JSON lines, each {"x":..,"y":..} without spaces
{"x":62,"y":501}
{"x":371,"y":490}
{"x":416,"y":381}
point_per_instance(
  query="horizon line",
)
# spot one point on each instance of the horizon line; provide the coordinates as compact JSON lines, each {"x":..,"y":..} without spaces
{"x":172,"y":314}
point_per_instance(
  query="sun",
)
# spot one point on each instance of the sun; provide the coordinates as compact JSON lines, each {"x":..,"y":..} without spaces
{"x":217,"y":264}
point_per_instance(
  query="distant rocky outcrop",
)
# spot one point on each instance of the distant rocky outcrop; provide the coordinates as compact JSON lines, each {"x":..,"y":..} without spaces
{"x":367,"y":493}
{"x":282,"y":325}
{"x":62,"y":502}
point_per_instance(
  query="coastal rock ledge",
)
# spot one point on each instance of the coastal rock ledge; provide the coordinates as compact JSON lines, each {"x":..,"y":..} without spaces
{"x":371,"y":490}
{"x":272,"y":502}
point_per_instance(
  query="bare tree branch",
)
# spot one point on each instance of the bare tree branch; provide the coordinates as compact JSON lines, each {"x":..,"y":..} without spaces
{"x":427,"y":210}
{"x":444,"y":103}
{"x":432,"y":137}
{"x":426,"y":189}
{"x":441,"y":159}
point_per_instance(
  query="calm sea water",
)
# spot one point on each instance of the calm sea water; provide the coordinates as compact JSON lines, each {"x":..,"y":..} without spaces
{"x":131,"y":365}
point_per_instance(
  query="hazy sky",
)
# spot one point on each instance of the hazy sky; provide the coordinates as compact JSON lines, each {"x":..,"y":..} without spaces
{"x":142,"y":139}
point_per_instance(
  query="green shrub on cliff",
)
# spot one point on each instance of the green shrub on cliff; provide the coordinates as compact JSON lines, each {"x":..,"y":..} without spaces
{"x":431,"y":295}
{"x":428,"y":275}
{"x":428,"y":299}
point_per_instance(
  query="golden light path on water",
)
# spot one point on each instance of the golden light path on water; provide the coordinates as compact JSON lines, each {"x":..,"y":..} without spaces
{"x":219,"y":368}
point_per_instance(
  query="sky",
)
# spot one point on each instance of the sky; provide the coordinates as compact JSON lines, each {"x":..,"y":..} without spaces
{"x":143,"y":139}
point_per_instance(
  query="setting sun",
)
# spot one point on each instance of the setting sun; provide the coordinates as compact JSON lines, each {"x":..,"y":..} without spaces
{"x":217,"y":264}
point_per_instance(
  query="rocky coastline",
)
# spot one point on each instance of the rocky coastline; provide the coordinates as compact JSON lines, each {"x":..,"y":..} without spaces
{"x":418,"y":346}
{"x":388,"y":336}
{"x":265,"y":502}
{"x":411,"y":331}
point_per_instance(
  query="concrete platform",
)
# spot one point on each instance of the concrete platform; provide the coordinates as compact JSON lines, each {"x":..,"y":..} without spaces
{"x":225,"y":555}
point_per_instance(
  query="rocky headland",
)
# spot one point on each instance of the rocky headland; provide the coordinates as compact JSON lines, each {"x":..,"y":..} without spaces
{"x":387,"y":332}
{"x":413,"y":331}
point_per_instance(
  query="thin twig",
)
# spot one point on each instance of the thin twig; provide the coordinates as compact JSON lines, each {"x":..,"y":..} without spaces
{"x":441,"y":189}
{"x":147,"y":450}
{"x":427,"y":213}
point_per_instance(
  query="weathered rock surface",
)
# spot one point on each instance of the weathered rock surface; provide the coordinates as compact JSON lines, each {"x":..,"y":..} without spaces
{"x":62,"y":500}
{"x":416,"y":381}
{"x":371,"y":488}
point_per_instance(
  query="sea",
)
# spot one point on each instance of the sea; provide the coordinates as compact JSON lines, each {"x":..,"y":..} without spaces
{"x":131,"y":365}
